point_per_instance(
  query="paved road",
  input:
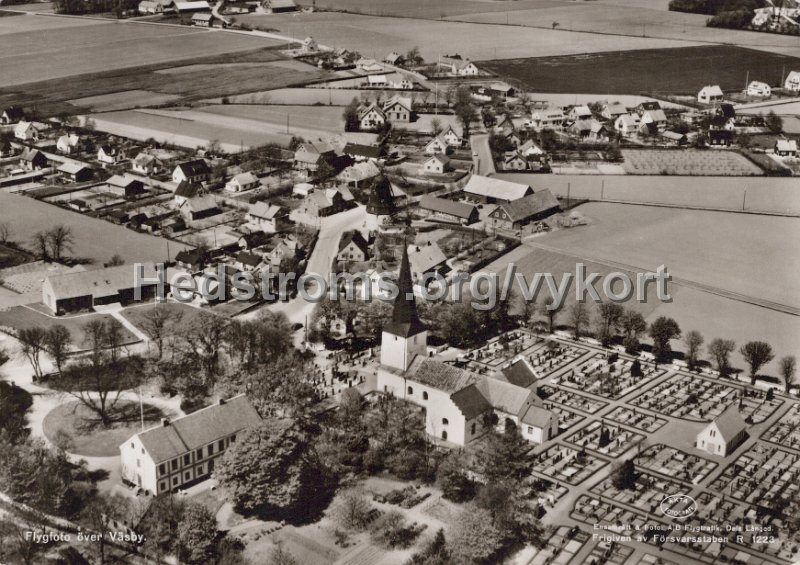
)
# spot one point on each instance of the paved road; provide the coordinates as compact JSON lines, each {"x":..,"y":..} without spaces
{"x":482,"y":155}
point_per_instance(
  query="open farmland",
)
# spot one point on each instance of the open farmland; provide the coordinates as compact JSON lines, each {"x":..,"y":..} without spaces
{"x":681,"y":70}
{"x":764,"y":194}
{"x":95,"y":240}
{"x":687,"y":162}
{"x":376,"y":37}
{"x":56,"y":52}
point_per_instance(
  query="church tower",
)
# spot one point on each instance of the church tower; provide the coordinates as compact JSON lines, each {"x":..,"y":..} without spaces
{"x":405,"y":336}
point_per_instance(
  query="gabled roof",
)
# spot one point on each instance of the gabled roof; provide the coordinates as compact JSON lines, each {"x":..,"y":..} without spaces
{"x":629,"y":120}
{"x":202,"y":17}
{"x":730,"y":423}
{"x":727,"y":110}
{"x":445,"y":206}
{"x":188,"y":189}
{"x":120,"y":181}
{"x":503,"y":395}
{"x":198,"y":429}
{"x":470,"y":402}
{"x":519,"y":373}
{"x":536,"y":416}
{"x":368,"y":151}
{"x":190,"y":256}
{"x":266,"y":211}
{"x":443,"y":377}
{"x":29,"y":154}
{"x":615,"y":108}
{"x":249,"y":259}
{"x":200,"y":203}
{"x":99,"y":282}
{"x":649,"y":105}
{"x":530,"y":205}
{"x":496,"y":188}
{"x":192,"y":5}
{"x":194,"y":168}
{"x":403,"y":101}
{"x":657,"y":115}
{"x":356,"y":239}
{"x":14,"y":113}
{"x":72,"y":168}
{"x":245,"y":178}
{"x":305,"y":156}
{"x":426,"y":258}
{"x":786,"y":145}
{"x":713,"y":90}
{"x":443,"y":159}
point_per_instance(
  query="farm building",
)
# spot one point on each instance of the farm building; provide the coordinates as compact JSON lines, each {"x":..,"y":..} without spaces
{"x":353,"y":247}
{"x":192,"y":6}
{"x":786,"y":148}
{"x":12,"y":115}
{"x":32,"y":159}
{"x":278,"y":6}
{"x":760,"y":89}
{"x":521,"y":212}
{"x":710,"y":94}
{"x":201,"y":19}
{"x":437,"y":165}
{"x":448,"y":210}
{"x":191,"y":171}
{"x":457,"y":67}
{"x":722,"y":436}
{"x":199,"y":207}
{"x":241,"y":182}
{"x":76,"y":291}
{"x":76,"y":172}
{"x":792,"y":81}
{"x":123,"y":186}
{"x":491,"y":190}
{"x":176,"y":453}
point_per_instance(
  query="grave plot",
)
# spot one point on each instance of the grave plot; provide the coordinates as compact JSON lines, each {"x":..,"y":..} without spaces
{"x":609,"y":552}
{"x":555,"y":356}
{"x":647,"y":496}
{"x":567,"y":418}
{"x":694,"y":398}
{"x":650,"y":559}
{"x":562,"y":546}
{"x":675,"y":463}
{"x":605,"y":438}
{"x":547,"y":492}
{"x":610,"y":378}
{"x":786,"y":431}
{"x":505,"y":347}
{"x":570,"y":399}
{"x":591,"y":510}
{"x":567,"y":464}
{"x":636,"y":419}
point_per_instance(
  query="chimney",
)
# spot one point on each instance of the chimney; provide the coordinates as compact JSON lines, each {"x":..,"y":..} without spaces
{"x":164,"y":422}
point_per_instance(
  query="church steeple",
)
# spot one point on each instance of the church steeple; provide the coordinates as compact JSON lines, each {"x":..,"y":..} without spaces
{"x":405,"y":320}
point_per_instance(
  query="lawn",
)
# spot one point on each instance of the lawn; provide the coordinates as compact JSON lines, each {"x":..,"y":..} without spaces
{"x":426,"y":9}
{"x":678,"y":70}
{"x":136,"y":314}
{"x":95,"y":240}
{"x":87,"y":436}
{"x":21,"y":317}
{"x":43,"y":48}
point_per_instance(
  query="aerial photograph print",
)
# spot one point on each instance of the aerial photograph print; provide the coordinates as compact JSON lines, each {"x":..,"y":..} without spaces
{"x":399,"y":282}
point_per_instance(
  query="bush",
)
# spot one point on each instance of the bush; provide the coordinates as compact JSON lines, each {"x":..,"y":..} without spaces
{"x":191,"y":404}
{"x":392,"y":531}
{"x":374,"y":461}
{"x":405,"y":465}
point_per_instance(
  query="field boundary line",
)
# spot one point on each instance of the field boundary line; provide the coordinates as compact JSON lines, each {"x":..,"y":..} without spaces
{"x":704,"y":208}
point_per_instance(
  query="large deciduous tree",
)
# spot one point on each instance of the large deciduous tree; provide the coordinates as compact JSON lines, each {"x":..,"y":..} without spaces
{"x":788,"y":367}
{"x":58,"y":342}
{"x":32,"y":344}
{"x":662,"y":331}
{"x":197,"y":535}
{"x":720,"y":350}
{"x":579,"y":317}
{"x":609,"y":315}
{"x":757,"y":354}
{"x":633,"y":326}
{"x":693,"y":341}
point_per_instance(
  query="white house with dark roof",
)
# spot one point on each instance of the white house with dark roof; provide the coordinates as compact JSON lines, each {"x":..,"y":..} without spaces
{"x":191,"y":171}
{"x":177,"y":453}
{"x":722,"y":436}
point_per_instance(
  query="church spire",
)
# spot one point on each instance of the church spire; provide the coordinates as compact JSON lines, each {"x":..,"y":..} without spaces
{"x":405,"y":320}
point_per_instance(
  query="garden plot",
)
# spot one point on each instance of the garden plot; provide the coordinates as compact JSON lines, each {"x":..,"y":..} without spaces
{"x":639,"y":420}
{"x":675,"y":463}
{"x":714,"y":163}
{"x":571,"y":399}
{"x":649,"y":492}
{"x":605,"y":439}
{"x":567,"y":464}
{"x":786,"y":431}
{"x":610,"y":380}
{"x":694,"y":398}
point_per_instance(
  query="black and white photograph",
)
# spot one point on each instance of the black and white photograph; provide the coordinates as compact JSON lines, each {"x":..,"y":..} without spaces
{"x":399,"y":282}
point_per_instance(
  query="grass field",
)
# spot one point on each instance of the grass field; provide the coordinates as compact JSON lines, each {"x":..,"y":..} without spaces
{"x":687,"y":162}
{"x":430,"y":10}
{"x":376,"y":37}
{"x":21,"y":317}
{"x":136,"y":314}
{"x":95,"y":240}
{"x":681,"y":70}
{"x":34,"y":53}
{"x":124,"y":100}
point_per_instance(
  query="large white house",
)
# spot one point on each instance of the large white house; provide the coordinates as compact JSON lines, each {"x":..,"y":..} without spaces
{"x":460,"y":406}
{"x":760,"y":89}
{"x":710,"y":94}
{"x":722,"y":436}
{"x":176,"y":453}
{"x":792,"y":81}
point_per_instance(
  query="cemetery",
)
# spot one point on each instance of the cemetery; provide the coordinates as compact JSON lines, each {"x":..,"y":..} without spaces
{"x":605,"y":439}
{"x":561,"y":547}
{"x":610,"y":378}
{"x":786,"y":431}
{"x":647,"y":496}
{"x":571,"y":399}
{"x":636,"y":419}
{"x":567,"y":464}
{"x":567,"y":418}
{"x":674,"y":463}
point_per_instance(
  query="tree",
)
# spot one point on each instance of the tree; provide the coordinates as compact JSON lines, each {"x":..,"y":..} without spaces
{"x":158,"y":322}
{"x":475,"y":539}
{"x":463,"y":107}
{"x":61,"y":239}
{"x":58,"y":342}
{"x":720,"y":350}
{"x":352,"y":510}
{"x":624,"y":478}
{"x":773,"y":122}
{"x":551,"y":309}
{"x":33,"y":343}
{"x":278,"y":555}
{"x":757,"y":354}
{"x":452,"y":478}
{"x":579,"y":317}
{"x":788,"y":367}
{"x":694,"y":341}
{"x":609,"y":315}
{"x":633,"y":326}
{"x":40,"y":245}
{"x":436,"y":126}
{"x":350,"y":115}
{"x":270,"y":472}
{"x":413,"y":57}
{"x":197,"y":535}
{"x":116,"y":260}
{"x":434,"y":553}
{"x":662,"y":331}
{"x":14,"y":404}
{"x":504,"y":456}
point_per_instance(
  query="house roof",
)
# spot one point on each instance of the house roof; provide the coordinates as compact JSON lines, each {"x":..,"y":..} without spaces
{"x":629,"y":120}
{"x":245,"y":178}
{"x":536,"y":416}
{"x":250,"y":259}
{"x":192,"y":5}
{"x":649,"y":105}
{"x":201,"y":203}
{"x":730,"y":423}
{"x":355,"y":238}
{"x":443,"y":159}
{"x":356,"y":149}
{"x":361,"y":171}
{"x":727,"y":110}
{"x":438,"y":139}
{"x":425,"y":258}
{"x":470,"y":402}
{"x":581,"y":111}
{"x":99,"y":282}
{"x":72,"y":168}
{"x":673,"y":135}
{"x":317,"y":146}
{"x":445,"y":206}
{"x":14,"y":113}
{"x":443,"y":377}
{"x":198,"y":429}
{"x":265,"y":211}
{"x":713,"y":90}
{"x":786,"y":145}
{"x":657,"y":115}
{"x":530,"y":205}
{"x":203,"y":17}
{"x":188,"y":189}
{"x":190,"y":256}
{"x":496,"y":188}
{"x":278,"y":4}
{"x":403,"y":101}
{"x":120,"y":181}
{"x":29,"y":154}
{"x":503,"y":395}
{"x":308,"y":157}
{"x":255,"y":239}
{"x":519,"y":373}
{"x":616,"y":108}
{"x":194,"y":168}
